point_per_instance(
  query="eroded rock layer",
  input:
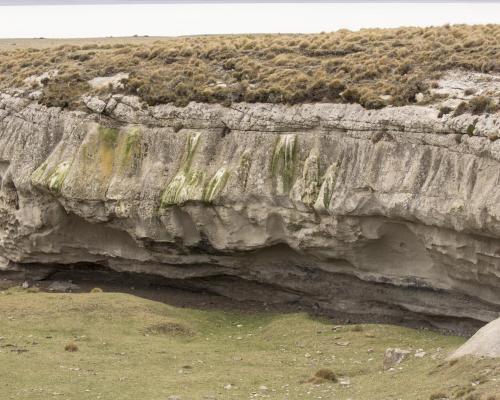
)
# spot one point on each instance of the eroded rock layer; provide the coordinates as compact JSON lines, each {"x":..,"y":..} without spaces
{"x":394,"y":212}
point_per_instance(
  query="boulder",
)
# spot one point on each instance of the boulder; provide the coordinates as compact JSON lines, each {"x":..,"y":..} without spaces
{"x":394,"y":357}
{"x":485,"y":343}
{"x":104,"y":81}
{"x":94,"y":104}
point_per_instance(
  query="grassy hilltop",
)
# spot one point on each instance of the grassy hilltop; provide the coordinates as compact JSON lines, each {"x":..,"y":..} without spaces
{"x":373,"y":67}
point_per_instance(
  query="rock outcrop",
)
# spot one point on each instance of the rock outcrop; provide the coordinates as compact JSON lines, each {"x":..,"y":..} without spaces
{"x":394,"y":212}
{"x":485,"y":343}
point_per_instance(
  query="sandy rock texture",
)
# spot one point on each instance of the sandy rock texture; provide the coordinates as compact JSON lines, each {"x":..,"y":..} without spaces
{"x":485,"y":343}
{"x":392,"y":212}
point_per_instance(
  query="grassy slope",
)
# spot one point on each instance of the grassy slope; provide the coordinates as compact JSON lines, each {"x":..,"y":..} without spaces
{"x":198,"y":352}
{"x":342,"y":66}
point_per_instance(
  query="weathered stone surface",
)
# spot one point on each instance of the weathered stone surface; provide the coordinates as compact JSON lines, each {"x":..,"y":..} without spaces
{"x":485,"y":343}
{"x":394,"y":357}
{"x":40,"y":80}
{"x":464,"y":85}
{"x":59,"y":286}
{"x":394,"y":212}
{"x":103,"y":81}
{"x":94,"y":104}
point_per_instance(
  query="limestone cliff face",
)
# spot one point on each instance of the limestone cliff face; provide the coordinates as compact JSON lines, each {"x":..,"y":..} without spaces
{"x":393,"y":212}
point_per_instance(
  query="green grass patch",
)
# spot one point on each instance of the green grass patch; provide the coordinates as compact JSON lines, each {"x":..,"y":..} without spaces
{"x":118,"y":347}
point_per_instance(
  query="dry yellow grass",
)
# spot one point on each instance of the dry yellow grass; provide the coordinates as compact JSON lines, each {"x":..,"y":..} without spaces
{"x":342,"y":66}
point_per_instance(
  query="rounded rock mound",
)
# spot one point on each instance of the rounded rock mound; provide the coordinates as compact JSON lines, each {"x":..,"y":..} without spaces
{"x":485,"y":343}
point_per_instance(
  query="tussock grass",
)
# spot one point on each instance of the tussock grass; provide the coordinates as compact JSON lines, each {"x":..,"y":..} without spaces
{"x":476,"y":105}
{"x":322,"y":376}
{"x":168,"y":328}
{"x":71,"y":347}
{"x":343,"y":66}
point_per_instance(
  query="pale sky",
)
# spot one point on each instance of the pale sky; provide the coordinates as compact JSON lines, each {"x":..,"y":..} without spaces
{"x":192,"y":19}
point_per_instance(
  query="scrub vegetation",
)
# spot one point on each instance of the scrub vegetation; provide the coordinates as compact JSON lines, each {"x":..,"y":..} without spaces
{"x":372,"y":67}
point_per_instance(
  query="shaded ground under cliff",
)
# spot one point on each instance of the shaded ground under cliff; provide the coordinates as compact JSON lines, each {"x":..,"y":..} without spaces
{"x":128,"y":347}
{"x":221,"y":293}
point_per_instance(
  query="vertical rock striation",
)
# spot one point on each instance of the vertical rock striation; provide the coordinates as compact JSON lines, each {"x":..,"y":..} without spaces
{"x":394,"y":212}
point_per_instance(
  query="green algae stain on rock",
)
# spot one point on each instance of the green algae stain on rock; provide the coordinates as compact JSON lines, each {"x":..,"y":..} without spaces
{"x":56,"y":179}
{"x":105,"y":154}
{"x":109,"y":136}
{"x":132,"y":141}
{"x":284,"y":160}
{"x":191,"y":146}
{"x":187,"y":184}
{"x":37,"y":175}
{"x":53,"y":179}
{"x":243,"y":170}
{"x":306,"y":188}
{"x":326,"y":190}
{"x":117,"y":150}
{"x":193,"y":184}
{"x":129,"y":151}
{"x":184,"y":187}
{"x":215,"y":185}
